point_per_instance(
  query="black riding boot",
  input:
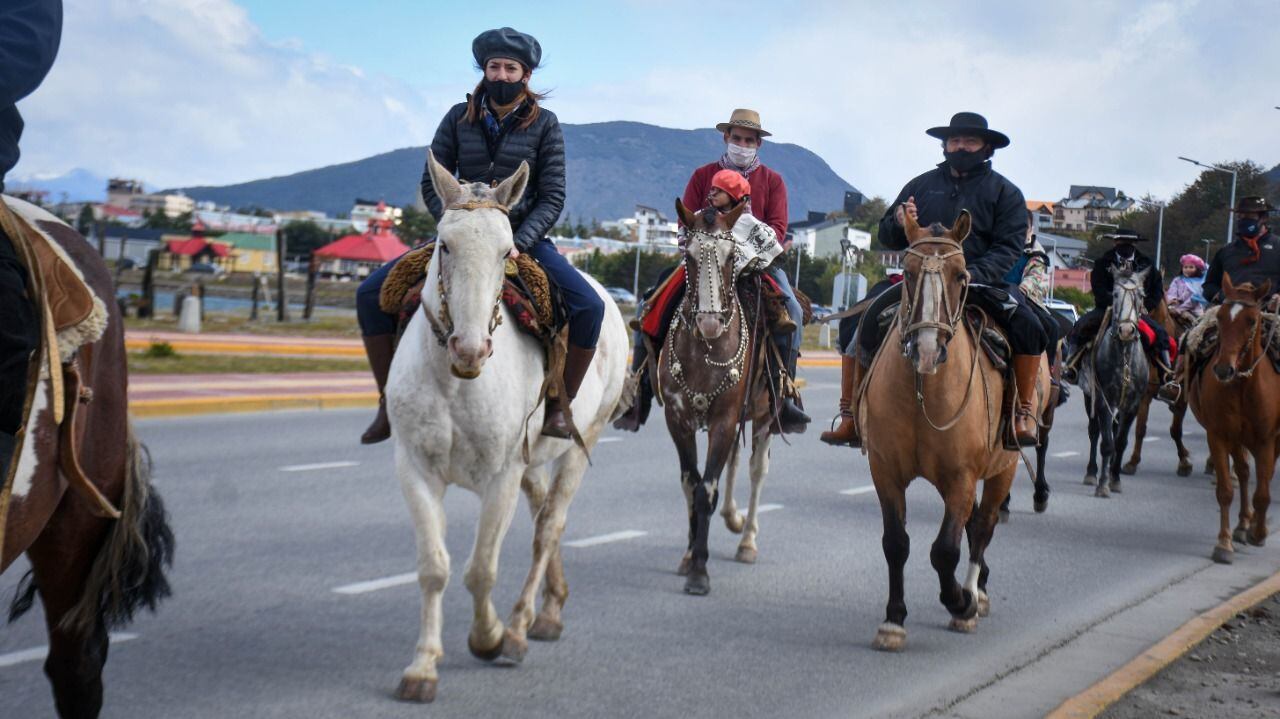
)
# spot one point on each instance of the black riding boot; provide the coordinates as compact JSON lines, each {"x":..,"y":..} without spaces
{"x":8,"y":443}
{"x":638,"y":413}
{"x":791,"y":419}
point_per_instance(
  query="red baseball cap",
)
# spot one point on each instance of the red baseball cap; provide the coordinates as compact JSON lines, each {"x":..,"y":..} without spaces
{"x":733,"y":183}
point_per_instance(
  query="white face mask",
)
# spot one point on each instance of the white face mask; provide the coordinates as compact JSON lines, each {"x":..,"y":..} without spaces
{"x":741,"y":156}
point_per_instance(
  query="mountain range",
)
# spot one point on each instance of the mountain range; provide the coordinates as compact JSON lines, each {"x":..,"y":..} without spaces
{"x":611,"y":166}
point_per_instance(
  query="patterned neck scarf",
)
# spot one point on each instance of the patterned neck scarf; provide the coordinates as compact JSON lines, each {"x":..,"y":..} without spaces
{"x":727,"y":164}
{"x":1255,"y":250}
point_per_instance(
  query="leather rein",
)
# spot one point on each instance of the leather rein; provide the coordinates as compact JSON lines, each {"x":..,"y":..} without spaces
{"x":442,"y":322}
{"x":1253,"y":337}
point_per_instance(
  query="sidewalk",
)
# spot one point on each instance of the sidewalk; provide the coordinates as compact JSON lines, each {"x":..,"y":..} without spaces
{"x":189,"y":394}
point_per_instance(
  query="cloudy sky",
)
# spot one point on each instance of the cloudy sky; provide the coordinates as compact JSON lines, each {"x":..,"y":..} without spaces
{"x":179,"y":92}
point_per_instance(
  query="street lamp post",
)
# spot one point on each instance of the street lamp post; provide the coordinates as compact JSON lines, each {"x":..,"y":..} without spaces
{"x":1231,"y":216}
{"x":1159,"y":227}
{"x":1208,"y":244}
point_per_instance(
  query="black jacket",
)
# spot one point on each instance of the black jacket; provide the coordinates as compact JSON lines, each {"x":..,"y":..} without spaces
{"x":1230,"y":259}
{"x":998,"y":211}
{"x":461,"y":147}
{"x":30,"y":31}
{"x":1103,"y":283}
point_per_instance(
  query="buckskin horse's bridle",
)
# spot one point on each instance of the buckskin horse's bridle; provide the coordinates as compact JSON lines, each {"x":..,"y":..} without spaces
{"x":442,"y":326}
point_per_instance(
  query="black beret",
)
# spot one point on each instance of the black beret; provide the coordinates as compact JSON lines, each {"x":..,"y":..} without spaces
{"x":506,"y":42}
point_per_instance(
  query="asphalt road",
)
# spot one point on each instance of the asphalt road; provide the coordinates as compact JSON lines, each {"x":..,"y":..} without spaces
{"x":255,"y":628}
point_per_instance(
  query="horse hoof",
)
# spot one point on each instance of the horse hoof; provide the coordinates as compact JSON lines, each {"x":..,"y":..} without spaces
{"x":984,"y":604}
{"x":1222,"y":555}
{"x":890,"y":638}
{"x":747,"y":555}
{"x":697,"y":583}
{"x":1184,"y":469}
{"x":1102,"y":491}
{"x":1258,"y":541}
{"x":513,"y":648}
{"x":963,"y":626}
{"x":685,"y":564}
{"x":734,"y":522}
{"x":1240,"y":536}
{"x":1115,"y":486}
{"x":1004,"y":516}
{"x":1129,"y":468}
{"x":420,"y":691}
{"x":482,"y":653}
{"x":545,"y":630}
{"x":1090,"y":480}
{"x":1040,"y":505}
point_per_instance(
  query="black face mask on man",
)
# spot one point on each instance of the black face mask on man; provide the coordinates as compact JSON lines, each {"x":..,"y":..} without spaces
{"x":503,"y":93}
{"x":964,"y":161}
{"x":1248,"y":227}
{"x":1125,"y":251}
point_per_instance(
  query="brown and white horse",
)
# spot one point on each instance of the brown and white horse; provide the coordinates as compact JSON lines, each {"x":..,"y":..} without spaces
{"x":1239,"y":407}
{"x":931,"y":409}
{"x":91,"y":573}
{"x":1179,"y":408}
{"x":709,"y":377}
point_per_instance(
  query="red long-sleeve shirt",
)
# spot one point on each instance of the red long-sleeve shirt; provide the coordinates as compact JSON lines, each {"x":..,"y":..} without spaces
{"x":768,"y":195}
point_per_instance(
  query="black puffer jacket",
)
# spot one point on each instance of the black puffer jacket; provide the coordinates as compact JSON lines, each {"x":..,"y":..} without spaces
{"x":995,"y":204}
{"x":462,"y":149}
{"x":1103,"y":283}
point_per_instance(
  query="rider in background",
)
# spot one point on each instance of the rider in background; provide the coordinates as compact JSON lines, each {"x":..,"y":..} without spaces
{"x":30,"y":32}
{"x":1124,"y":255}
{"x":1033,"y":275}
{"x":1185,"y":296}
{"x":484,"y":139}
{"x":963,"y":181}
{"x":1253,"y":257}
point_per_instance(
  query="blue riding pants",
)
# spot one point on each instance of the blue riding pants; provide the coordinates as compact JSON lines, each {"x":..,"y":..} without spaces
{"x":373,"y":321}
{"x":790,"y":340}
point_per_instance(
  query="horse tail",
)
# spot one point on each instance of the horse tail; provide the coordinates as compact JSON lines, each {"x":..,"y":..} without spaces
{"x":129,"y":571}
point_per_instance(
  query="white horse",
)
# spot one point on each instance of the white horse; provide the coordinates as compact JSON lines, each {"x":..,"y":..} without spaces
{"x":454,"y":424}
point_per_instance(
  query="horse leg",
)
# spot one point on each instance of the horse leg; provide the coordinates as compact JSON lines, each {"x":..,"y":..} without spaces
{"x":1107,"y":448}
{"x":1265,"y":458}
{"x":980,"y":528}
{"x":1175,"y":433}
{"x":1139,"y":434}
{"x":1041,"y":497}
{"x":497,"y":506}
{"x":732,"y":519}
{"x":1240,"y":463}
{"x":687,"y":451}
{"x":424,"y":494}
{"x":747,"y":550}
{"x":548,"y":528}
{"x":891,"y":636}
{"x":1121,"y":439}
{"x":547,"y":625}
{"x":944,"y":555}
{"x":1220,"y":453}
{"x":1095,"y":430}
{"x":720,"y":439}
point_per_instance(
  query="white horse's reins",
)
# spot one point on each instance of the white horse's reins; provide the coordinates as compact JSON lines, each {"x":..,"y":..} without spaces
{"x":442,"y":326}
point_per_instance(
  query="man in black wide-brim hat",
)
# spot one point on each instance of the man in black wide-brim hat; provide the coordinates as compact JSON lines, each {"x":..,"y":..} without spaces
{"x":1253,"y":257}
{"x":963,"y":181}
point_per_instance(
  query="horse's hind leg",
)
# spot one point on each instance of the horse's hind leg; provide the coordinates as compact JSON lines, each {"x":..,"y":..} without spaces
{"x":980,"y":528}
{"x":425,"y":496}
{"x":547,"y":625}
{"x":1040,"y":501}
{"x":944,"y":555}
{"x":1265,"y":458}
{"x":891,"y":636}
{"x":1095,"y":431}
{"x":1175,"y":432}
{"x":1139,"y":434}
{"x":732,"y":519}
{"x":548,"y":528}
{"x":747,"y":550}
{"x":1121,"y":438}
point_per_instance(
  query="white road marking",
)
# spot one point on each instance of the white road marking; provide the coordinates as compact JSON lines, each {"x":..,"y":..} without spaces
{"x":859,"y":490}
{"x":605,"y":538}
{"x":374,"y":585}
{"x":767,"y":508}
{"x":317,"y":465}
{"x":1151,"y":439}
{"x":36,"y":654}
{"x":604,"y":440}
{"x":1066,"y":454}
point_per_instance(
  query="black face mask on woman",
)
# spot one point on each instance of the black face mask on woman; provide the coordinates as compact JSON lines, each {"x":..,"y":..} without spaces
{"x":503,"y":93}
{"x":964,"y":161}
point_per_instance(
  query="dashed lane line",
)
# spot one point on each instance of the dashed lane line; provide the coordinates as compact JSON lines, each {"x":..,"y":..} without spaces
{"x":36,"y":654}
{"x":767,"y":508}
{"x":858,"y":490}
{"x":317,"y":465}
{"x":1061,"y":455}
{"x":605,"y":538}
{"x":606,"y":440}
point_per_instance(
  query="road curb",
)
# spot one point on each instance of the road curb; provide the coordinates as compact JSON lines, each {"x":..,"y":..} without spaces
{"x":1094,"y":700}
{"x":192,"y":406}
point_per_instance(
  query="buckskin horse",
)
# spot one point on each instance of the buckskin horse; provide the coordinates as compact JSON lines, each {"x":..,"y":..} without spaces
{"x":1179,"y":408}
{"x":456,"y":425}
{"x":951,"y":436}
{"x":1239,"y":407}
{"x":1113,"y":376}
{"x":711,"y":376}
{"x":92,"y":565}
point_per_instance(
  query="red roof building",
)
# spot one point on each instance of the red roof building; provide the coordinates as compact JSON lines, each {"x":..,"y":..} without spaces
{"x":361,"y":254}
{"x":183,"y":251}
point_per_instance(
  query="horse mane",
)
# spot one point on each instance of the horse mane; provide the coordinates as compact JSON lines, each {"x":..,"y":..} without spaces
{"x":937,"y":230}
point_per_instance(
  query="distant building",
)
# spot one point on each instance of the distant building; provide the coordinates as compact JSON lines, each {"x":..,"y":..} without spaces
{"x":251,"y":252}
{"x":366,"y":212}
{"x":119,"y":242}
{"x":320,"y":219}
{"x":181,"y":251}
{"x":653,"y":228}
{"x":1064,"y":252}
{"x":120,"y":191}
{"x":1043,"y":213}
{"x":224,"y":221}
{"x":821,"y":237}
{"x":852,"y":201}
{"x":1089,"y":203}
{"x":360,"y":254}
{"x":171,"y":204}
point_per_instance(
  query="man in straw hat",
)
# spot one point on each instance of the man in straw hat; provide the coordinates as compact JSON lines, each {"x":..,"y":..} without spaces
{"x":964,"y":180}
{"x":1253,"y":257}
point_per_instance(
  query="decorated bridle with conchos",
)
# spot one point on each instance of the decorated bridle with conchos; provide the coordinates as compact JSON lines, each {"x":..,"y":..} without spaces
{"x":442,"y":323}
{"x":932,"y":264}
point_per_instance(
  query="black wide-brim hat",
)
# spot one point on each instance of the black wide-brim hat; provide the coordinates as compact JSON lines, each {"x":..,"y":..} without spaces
{"x":970,"y":123}
{"x":1253,"y":203}
{"x":1124,"y":233}
{"x":508,"y":43}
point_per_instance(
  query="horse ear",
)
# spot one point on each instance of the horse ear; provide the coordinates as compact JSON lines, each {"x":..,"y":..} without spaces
{"x":1262,"y":291}
{"x":731,"y":217}
{"x":686,"y":215}
{"x":510,"y":190}
{"x":443,"y":181}
{"x":960,"y":230}
{"x":1227,"y":285}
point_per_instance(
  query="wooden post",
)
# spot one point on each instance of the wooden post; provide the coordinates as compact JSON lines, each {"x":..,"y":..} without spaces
{"x":313,"y":269}
{"x":282,"y":297}
{"x":257,"y":296}
{"x":147,"y":305}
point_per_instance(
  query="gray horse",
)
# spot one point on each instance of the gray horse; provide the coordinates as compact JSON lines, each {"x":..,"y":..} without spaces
{"x":1114,"y":376}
